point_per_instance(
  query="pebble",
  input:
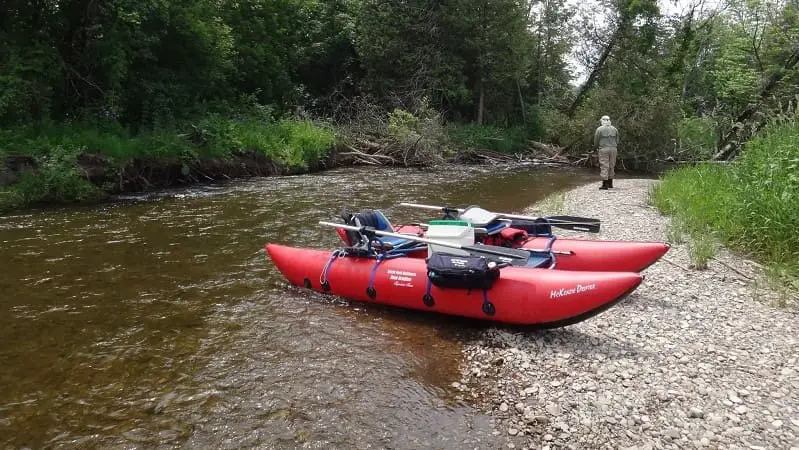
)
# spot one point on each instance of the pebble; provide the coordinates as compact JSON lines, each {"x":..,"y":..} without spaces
{"x":555,"y":410}
{"x":673,"y":433}
{"x":696,"y":413}
{"x":690,"y":359}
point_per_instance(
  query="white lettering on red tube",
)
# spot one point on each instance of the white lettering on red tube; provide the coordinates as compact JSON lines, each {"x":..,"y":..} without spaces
{"x":562,"y":292}
{"x":401,"y":278}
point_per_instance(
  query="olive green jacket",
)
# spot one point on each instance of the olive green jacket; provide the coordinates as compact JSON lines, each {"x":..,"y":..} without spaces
{"x":606,"y":136}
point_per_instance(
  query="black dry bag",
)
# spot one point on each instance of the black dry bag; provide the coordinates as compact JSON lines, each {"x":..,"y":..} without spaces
{"x":464,"y":272}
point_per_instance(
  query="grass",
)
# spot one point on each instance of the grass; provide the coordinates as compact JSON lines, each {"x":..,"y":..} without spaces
{"x":751,"y":205}
{"x":485,"y":137}
{"x":56,"y":147}
{"x":294,"y":143}
{"x":701,"y":250}
{"x":675,"y":232}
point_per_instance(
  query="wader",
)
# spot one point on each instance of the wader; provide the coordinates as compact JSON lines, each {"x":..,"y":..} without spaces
{"x":607,"y":164}
{"x":606,"y":137}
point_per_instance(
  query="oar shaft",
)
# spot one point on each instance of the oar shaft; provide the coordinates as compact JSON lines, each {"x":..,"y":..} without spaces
{"x":430,"y":207}
{"x":499,"y":214}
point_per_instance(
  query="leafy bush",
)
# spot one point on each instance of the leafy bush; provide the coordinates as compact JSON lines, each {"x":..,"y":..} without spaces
{"x":58,"y":180}
{"x":420,"y":134}
{"x":299,"y":142}
{"x":697,"y":137}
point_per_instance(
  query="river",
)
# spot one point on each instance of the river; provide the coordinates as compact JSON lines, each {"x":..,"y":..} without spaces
{"x":159,"y":321}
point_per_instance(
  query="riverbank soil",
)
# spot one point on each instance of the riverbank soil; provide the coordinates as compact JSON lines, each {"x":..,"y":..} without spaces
{"x":691,"y":359}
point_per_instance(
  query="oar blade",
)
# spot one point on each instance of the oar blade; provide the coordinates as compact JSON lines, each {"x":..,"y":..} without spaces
{"x":575,"y":223}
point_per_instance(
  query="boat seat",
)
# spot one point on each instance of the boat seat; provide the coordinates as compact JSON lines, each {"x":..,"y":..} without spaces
{"x":496,"y":226}
{"x":539,"y":260}
{"x":377,"y":220}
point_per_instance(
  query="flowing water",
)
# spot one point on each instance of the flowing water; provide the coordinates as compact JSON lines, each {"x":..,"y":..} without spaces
{"x":159,"y":321}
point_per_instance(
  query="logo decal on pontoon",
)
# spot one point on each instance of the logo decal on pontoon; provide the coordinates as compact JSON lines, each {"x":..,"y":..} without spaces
{"x":401,"y":278}
{"x":562,"y":292}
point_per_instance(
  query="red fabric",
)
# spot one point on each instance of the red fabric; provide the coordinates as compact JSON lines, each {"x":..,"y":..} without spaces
{"x":343,"y":235}
{"x":514,"y":235}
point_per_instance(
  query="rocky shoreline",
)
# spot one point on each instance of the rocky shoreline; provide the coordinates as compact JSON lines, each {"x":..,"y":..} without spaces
{"x":691,"y":359}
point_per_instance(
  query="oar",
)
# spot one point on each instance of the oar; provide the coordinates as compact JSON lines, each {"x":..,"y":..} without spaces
{"x":516,"y":257}
{"x":565,"y":222}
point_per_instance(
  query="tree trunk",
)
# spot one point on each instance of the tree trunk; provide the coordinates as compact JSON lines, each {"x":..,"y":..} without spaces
{"x":521,"y":101}
{"x":600,"y":64}
{"x":481,"y":104}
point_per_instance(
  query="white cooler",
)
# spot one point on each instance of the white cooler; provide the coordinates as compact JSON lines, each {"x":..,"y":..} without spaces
{"x":454,"y":231}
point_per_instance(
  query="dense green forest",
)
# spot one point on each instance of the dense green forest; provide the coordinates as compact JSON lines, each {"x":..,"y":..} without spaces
{"x":678,"y":85}
{"x":125,"y":80}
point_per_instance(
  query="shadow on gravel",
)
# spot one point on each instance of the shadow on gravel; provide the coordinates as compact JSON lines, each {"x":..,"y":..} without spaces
{"x":638,"y":301}
{"x":565,"y":340}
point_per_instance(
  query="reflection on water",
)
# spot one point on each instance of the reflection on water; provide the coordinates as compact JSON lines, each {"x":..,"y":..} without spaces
{"x":159,"y":320}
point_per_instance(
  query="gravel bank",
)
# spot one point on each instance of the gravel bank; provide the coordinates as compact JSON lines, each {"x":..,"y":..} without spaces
{"x":692,"y":359}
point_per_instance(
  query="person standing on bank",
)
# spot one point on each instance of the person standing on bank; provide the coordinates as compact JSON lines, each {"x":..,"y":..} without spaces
{"x":606,"y":137}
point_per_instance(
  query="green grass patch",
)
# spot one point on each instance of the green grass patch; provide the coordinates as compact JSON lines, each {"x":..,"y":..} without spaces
{"x":114,"y":143}
{"x":291,"y":142}
{"x":485,"y":137}
{"x":675,"y":232}
{"x":751,"y":205}
{"x":701,"y":250}
{"x":294,"y":143}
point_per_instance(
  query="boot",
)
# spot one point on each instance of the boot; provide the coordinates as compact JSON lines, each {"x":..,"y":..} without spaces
{"x":610,"y":183}
{"x":604,"y":185}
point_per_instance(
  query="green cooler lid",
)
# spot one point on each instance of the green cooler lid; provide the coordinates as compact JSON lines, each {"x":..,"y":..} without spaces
{"x":461,"y":223}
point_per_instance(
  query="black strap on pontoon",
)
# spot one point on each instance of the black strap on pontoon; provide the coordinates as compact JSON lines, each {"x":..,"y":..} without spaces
{"x":488,"y":307}
{"x":428,"y":299}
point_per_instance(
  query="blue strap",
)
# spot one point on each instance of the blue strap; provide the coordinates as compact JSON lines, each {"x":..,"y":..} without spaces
{"x":549,"y":249}
{"x":379,"y":259}
{"x":333,"y":256}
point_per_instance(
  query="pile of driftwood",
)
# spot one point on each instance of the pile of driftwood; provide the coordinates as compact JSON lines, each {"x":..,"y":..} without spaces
{"x":538,"y":153}
{"x":416,"y":152}
{"x":364,"y":151}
